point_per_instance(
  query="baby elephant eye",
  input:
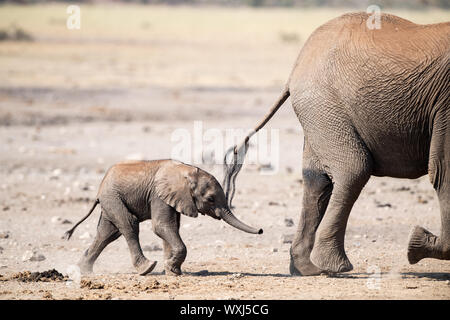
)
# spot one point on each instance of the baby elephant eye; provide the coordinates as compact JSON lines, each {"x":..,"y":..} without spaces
{"x":210,"y":199}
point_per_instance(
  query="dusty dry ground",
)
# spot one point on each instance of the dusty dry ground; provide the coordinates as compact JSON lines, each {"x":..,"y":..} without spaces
{"x":69,"y":110}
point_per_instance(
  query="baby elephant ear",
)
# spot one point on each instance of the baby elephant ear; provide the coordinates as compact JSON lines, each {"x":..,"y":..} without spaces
{"x":174,"y":184}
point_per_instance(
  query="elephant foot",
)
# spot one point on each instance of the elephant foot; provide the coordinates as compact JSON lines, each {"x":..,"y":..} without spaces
{"x":172,"y":271}
{"x":421,"y":244}
{"x":303,"y":267}
{"x":330,"y":259}
{"x":146,"y":267}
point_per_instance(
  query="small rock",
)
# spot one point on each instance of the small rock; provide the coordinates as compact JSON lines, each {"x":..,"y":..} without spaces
{"x":55,"y":219}
{"x":274,"y":249}
{"x":421,"y":200}
{"x":60,"y":220}
{"x":273,"y":203}
{"x":411,"y":287}
{"x":236,"y":276}
{"x":86,"y":187}
{"x":5,"y":208}
{"x":4,"y":235}
{"x":288,"y":222}
{"x":56,"y":173}
{"x":47,"y":295}
{"x":382,"y":205}
{"x":32,"y":256}
{"x":1,"y":250}
{"x":85,"y":235}
{"x":287,"y":238}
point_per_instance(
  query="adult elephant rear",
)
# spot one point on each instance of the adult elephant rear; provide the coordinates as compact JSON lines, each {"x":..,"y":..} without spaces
{"x":371,"y":102}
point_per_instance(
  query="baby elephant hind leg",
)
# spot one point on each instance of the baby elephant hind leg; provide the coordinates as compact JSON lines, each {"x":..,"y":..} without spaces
{"x":106,"y":233}
{"x":128,"y":225}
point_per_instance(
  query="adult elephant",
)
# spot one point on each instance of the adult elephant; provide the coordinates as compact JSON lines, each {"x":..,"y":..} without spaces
{"x":371,"y":102}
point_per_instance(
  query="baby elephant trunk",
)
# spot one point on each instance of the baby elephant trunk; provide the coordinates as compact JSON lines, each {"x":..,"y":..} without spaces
{"x":231,"y":219}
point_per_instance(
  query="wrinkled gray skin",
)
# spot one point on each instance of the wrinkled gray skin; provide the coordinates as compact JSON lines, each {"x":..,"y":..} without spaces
{"x":370,"y":102}
{"x":134,"y":191}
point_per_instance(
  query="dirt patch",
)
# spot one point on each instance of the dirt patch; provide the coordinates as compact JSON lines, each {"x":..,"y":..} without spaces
{"x":91,"y":285}
{"x":46,"y":276}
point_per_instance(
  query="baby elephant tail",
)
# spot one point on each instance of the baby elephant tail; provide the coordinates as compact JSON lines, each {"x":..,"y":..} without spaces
{"x":68,"y":234}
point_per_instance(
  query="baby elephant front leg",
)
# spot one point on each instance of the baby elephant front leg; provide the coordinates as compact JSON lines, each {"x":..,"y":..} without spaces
{"x":166,"y":225}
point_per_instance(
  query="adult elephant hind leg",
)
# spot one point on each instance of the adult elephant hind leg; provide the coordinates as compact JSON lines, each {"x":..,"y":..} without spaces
{"x":350,"y":169}
{"x":106,"y":233}
{"x":317,"y":189}
{"x":328,"y":252}
{"x":128,"y":225}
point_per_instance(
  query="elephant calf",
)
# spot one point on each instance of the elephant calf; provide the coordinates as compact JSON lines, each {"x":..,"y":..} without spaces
{"x":134,"y":191}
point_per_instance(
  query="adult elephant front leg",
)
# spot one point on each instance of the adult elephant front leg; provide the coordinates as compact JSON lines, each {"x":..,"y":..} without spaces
{"x":317,"y":189}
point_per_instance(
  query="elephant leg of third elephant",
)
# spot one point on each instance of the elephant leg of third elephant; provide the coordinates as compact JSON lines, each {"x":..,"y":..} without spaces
{"x":317,"y":189}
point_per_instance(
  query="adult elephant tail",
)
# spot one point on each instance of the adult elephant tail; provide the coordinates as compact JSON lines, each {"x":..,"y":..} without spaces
{"x":233,"y":166}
